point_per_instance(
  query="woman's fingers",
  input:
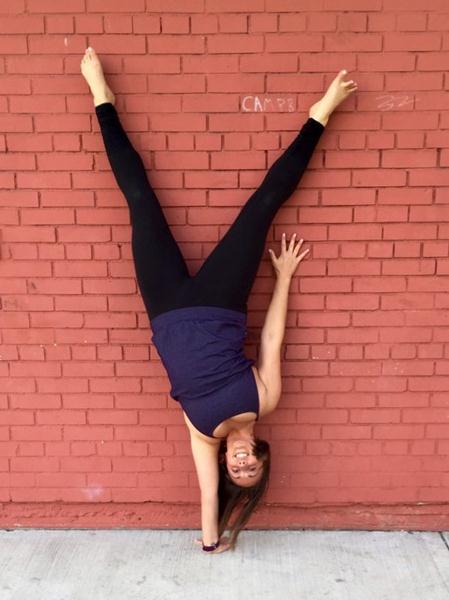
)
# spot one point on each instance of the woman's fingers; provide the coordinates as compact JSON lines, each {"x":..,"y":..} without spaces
{"x":283,"y":243}
{"x":221,"y":548}
{"x":292,"y":242}
{"x":296,"y":250}
{"x":301,"y":256}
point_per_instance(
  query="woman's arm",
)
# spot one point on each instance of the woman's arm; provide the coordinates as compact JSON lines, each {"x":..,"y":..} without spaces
{"x":273,"y":330}
{"x":274,"y":326}
{"x":205,"y":456}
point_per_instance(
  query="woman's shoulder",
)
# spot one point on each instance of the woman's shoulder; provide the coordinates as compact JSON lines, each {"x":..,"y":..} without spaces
{"x":198,"y":435}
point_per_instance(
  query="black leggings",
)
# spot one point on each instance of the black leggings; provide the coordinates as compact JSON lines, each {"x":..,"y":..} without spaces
{"x":226,"y":277}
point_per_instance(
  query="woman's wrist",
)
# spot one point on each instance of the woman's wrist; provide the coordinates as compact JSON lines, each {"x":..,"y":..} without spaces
{"x":211,"y":547}
{"x":284,"y":278}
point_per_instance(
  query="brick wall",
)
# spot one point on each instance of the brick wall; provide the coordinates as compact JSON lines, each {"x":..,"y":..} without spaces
{"x":210,"y":93}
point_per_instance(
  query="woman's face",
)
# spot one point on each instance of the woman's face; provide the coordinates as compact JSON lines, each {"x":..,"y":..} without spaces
{"x":244,"y":467}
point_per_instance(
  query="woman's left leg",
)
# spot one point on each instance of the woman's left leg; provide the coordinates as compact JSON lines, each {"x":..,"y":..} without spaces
{"x":227,"y":276}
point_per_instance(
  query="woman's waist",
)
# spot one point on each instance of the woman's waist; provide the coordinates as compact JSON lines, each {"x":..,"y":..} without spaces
{"x":200,"y":382}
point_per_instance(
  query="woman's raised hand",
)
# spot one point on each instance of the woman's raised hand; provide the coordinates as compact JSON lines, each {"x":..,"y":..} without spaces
{"x":285,"y":264}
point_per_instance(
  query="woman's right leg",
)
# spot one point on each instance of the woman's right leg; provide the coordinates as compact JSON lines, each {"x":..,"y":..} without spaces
{"x":159,"y":264}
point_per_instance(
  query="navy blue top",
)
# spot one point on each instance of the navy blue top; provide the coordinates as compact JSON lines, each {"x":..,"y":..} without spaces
{"x":201,"y":347}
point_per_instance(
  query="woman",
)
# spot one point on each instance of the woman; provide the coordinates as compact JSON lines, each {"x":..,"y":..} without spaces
{"x":199,"y":323}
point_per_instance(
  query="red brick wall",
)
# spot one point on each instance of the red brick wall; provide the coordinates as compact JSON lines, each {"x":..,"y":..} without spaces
{"x":210,"y":93}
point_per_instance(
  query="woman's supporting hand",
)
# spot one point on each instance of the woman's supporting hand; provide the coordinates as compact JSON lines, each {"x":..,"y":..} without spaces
{"x":286,"y":263}
{"x":224,"y":545}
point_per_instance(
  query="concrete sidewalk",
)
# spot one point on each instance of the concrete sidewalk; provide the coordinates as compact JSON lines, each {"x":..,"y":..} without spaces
{"x":135,"y":564}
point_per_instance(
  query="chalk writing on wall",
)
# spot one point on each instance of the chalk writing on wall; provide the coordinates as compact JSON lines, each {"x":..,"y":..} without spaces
{"x":389,"y":102}
{"x":268,"y":104}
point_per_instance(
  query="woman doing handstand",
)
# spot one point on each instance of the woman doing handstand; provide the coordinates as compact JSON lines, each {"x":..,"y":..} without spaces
{"x":199,"y":323}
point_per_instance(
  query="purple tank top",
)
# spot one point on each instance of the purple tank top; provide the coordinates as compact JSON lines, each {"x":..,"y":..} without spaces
{"x":201,"y":348}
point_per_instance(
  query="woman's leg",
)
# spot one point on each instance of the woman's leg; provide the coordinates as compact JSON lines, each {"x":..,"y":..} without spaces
{"x":160,"y":266}
{"x":228,"y":274}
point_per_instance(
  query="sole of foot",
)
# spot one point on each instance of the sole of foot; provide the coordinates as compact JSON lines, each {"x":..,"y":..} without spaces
{"x":93,"y":73}
{"x":338,"y":91}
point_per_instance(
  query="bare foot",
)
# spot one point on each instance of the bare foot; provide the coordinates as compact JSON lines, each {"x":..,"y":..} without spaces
{"x":338,"y":91}
{"x":93,"y":73}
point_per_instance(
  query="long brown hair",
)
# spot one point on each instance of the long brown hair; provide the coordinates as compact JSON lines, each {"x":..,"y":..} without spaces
{"x":232,"y":496}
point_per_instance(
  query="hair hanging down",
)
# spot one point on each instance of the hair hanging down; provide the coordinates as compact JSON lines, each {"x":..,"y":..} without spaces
{"x":232,"y":496}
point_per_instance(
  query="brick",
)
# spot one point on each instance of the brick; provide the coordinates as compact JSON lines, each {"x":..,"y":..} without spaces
{"x":406,"y":139}
{"x":355,"y":232}
{"x":435,"y":249}
{"x":352,"y":5}
{"x":118,"y":24}
{"x":262,"y":22}
{"x":411,"y":41}
{"x":342,"y":159}
{"x":146,"y":24}
{"x":404,"y":196}
{"x":238,"y":43}
{"x":152,"y":64}
{"x":438,"y":21}
{"x":104,"y":6}
{"x":15,"y":123}
{"x":352,"y":302}
{"x":415,"y":81}
{"x":235,"y":122}
{"x":325,"y":215}
{"x":384,"y":177}
{"x":411,"y":22}
{"x":352,"y":141}
{"x":352,"y":22}
{"x":405,"y":158}
{"x":13,"y":44}
{"x":381,"y":22}
{"x":433,"y":61}
{"x":387,"y":61}
{"x":335,"y":197}
{"x":428,"y":383}
{"x":287,"y":42}
{"x":408,"y":5}
{"x":176,"y":44}
{"x":232,"y":23}
{"x":328,"y":62}
{"x":234,"y":5}
{"x":328,"y":284}
{"x":22,"y":24}
{"x":347,"y":42}
{"x":210,"y":64}
{"x":429,"y":213}
{"x":53,"y":44}
{"x":429,"y":177}
{"x":292,"y":22}
{"x":59,"y":24}
{"x":407,"y":249}
{"x":409,"y":267}
{"x":353,"y":267}
{"x":353,"y":250}
{"x":17,"y":161}
{"x":380,"y":140}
